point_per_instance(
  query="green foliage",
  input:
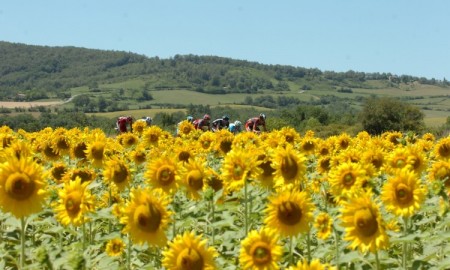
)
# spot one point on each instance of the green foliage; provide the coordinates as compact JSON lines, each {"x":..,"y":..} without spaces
{"x":388,"y":114}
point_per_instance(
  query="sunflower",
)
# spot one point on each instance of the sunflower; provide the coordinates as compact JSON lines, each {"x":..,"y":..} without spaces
{"x":206,"y":141}
{"x":22,"y":186}
{"x":184,"y":128}
{"x":146,"y":216}
{"x":224,"y":141}
{"x":75,"y":201}
{"x":313,"y":265}
{"x":58,"y":171}
{"x":117,"y":172}
{"x":323,"y":225}
{"x":289,"y":166}
{"x":152,"y":135}
{"x":260,"y":250}
{"x":79,"y":149}
{"x":138,"y":155}
{"x":237,"y":168}
{"x":267,"y":175}
{"x":343,"y":141}
{"x":194,"y":178}
{"x":95,"y":152}
{"x":189,"y":252}
{"x":290,"y":135}
{"x":61,"y":141}
{"x":375,"y":156}
{"x":245,"y":140}
{"x":139,"y":127}
{"x":393,"y":137}
{"x":85,"y":174}
{"x":127,"y":139}
{"x":440,"y":171}
{"x":345,"y":179}
{"x":164,"y":173}
{"x":442,"y":149}
{"x":323,"y":165}
{"x":403,"y":193}
{"x":364,"y":227}
{"x":416,"y":159}
{"x":214,"y":181}
{"x":289,"y":213}
{"x":48,"y":150}
{"x":115,"y":247}
{"x":18,"y":149}
{"x":184,"y":150}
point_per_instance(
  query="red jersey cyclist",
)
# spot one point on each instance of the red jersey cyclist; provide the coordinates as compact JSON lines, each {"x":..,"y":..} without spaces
{"x":253,"y":124}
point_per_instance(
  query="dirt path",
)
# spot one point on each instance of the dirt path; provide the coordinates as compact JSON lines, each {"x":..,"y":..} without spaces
{"x":30,"y":104}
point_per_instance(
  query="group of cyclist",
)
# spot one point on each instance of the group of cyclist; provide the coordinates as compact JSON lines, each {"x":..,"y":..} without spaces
{"x":254,"y":124}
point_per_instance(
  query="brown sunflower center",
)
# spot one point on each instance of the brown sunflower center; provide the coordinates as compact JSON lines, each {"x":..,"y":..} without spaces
{"x":120,"y":173}
{"x":97,"y":152}
{"x":261,"y":254}
{"x":308,"y":146}
{"x":444,"y":150}
{"x":117,"y":248}
{"x":443,"y":173}
{"x":289,"y":167}
{"x":73,"y":203}
{"x":403,"y":194}
{"x":237,"y":171}
{"x":187,"y":129}
{"x":79,"y":150}
{"x":19,"y":186}
{"x":184,"y":156}
{"x":365,"y":222}
{"x":215,"y":183}
{"x":139,"y":157}
{"x":377,"y":162}
{"x":289,"y":213}
{"x":58,"y":172}
{"x":225,"y":145}
{"x":153,"y":138}
{"x":62,"y":144}
{"x":267,"y":169}
{"x":206,"y":144}
{"x":195,"y":179}
{"x":165,"y":175}
{"x":190,"y":259}
{"x":400,"y":163}
{"x":148,"y":217}
{"x":50,"y":152}
{"x":349,"y":179}
{"x":325,"y":164}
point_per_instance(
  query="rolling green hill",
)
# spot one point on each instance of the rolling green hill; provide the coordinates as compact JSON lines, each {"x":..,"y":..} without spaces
{"x":104,"y":82}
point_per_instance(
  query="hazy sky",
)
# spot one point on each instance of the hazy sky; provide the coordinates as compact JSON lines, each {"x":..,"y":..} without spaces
{"x":410,"y":37}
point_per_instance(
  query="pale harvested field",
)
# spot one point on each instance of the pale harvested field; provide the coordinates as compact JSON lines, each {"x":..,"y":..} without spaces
{"x":13,"y":104}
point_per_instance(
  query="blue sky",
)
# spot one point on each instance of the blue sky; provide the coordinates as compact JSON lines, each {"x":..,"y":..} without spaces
{"x":403,"y":37}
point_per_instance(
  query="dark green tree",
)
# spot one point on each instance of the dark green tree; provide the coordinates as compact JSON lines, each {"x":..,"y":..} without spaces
{"x":388,"y":114}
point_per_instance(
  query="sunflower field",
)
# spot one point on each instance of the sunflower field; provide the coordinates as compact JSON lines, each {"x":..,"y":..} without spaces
{"x":79,"y":199}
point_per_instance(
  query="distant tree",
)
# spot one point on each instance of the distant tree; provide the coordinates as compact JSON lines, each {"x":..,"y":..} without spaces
{"x":388,"y":114}
{"x":102,"y":104}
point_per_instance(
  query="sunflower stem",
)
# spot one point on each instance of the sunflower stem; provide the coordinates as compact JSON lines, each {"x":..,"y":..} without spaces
{"x":308,"y":242}
{"x":129,"y":253}
{"x":22,"y":242}
{"x":212,"y":220}
{"x":405,"y":244}
{"x":291,"y":256}
{"x":377,"y":259}
{"x":109,"y":205}
{"x":245,"y":209}
{"x":336,"y":245}
{"x":84,"y":235}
